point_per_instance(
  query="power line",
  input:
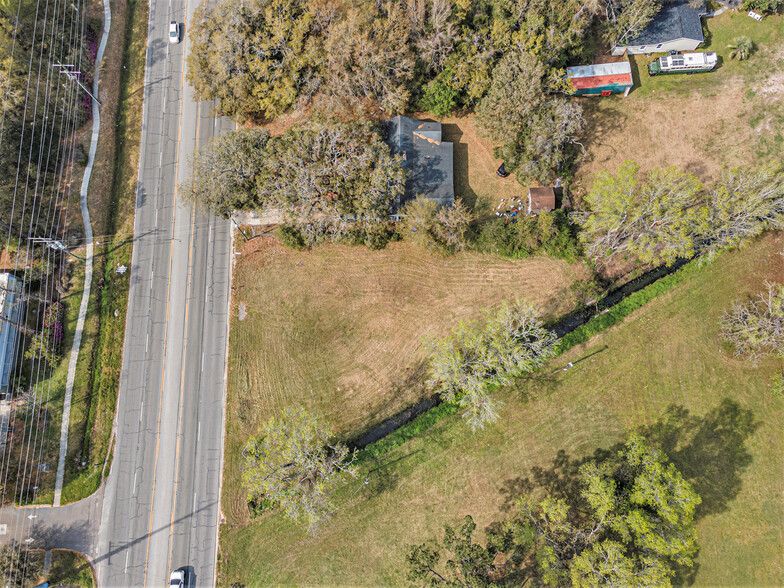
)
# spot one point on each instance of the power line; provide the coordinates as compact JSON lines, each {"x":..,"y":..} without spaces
{"x":52,"y":229}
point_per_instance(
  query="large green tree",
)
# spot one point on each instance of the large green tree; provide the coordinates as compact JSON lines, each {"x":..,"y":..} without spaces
{"x":636,"y":526}
{"x":295,"y":462}
{"x":517,"y":91}
{"x":226,"y":173}
{"x":329,"y":180}
{"x":744,"y":202}
{"x":254,"y":56}
{"x":369,"y":58}
{"x":333,"y":181}
{"x":546,"y":143}
{"x":628,"y":521}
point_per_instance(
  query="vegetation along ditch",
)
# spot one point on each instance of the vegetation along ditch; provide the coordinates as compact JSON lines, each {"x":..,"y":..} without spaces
{"x":572,"y":329}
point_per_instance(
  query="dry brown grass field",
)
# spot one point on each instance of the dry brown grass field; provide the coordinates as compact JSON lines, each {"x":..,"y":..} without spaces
{"x":340,"y":329}
{"x":662,"y":371}
{"x":732,"y":116}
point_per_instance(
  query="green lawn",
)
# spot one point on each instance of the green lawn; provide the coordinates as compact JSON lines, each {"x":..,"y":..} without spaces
{"x":767,"y":36}
{"x":339,"y":330}
{"x":662,"y":370}
{"x":70,"y":569}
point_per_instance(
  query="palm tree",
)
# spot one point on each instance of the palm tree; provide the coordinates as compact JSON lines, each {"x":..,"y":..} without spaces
{"x":741,"y":48}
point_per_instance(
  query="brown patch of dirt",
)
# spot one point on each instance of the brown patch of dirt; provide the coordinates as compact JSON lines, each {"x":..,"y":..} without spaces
{"x":699,"y":134}
{"x":475,"y":165}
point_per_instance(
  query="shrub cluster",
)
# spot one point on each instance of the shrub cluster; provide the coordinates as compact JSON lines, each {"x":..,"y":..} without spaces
{"x":550,"y":232}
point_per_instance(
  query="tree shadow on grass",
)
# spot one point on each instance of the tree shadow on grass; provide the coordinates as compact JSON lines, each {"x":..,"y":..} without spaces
{"x":709,"y":451}
{"x":560,"y":480}
{"x":382,"y":478}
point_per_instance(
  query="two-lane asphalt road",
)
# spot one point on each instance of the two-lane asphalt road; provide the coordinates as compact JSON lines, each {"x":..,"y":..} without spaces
{"x":161,"y":501}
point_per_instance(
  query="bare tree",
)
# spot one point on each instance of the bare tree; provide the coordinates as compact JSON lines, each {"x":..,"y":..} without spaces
{"x":756,"y":328}
{"x":510,"y":341}
{"x":443,"y":228}
{"x":742,"y":204}
{"x":628,"y":18}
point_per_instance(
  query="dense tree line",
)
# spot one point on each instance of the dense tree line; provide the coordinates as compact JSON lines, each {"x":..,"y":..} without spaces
{"x":630,"y":524}
{"x":35,"y":102}
{"x":260,"y":57}
{"x":665,"y":214}
{"x":332,"y":181}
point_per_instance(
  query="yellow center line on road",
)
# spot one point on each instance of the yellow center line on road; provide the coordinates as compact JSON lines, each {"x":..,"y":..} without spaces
{"x":184,"y":353}
{"x":166,"y":328}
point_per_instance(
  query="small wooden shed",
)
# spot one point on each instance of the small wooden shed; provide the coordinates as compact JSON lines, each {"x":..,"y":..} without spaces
{"x":541,"y":199}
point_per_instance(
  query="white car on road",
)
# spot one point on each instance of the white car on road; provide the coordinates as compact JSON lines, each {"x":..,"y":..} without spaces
{"x":174,"y":32}
{"x":178,"y":579}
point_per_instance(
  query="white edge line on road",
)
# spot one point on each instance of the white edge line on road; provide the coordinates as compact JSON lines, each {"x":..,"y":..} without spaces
{"x":111,"y":480}
{"x":223,"y":406}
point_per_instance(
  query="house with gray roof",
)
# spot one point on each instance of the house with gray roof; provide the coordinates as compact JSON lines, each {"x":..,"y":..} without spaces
{"x":677,"y":27}
{"x":428,"y":160}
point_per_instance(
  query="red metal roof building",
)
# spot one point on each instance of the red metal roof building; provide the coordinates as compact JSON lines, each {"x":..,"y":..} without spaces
{"x":601,"y":79}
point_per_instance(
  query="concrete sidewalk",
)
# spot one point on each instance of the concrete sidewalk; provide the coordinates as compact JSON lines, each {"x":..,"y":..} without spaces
{"x":88,"y":264}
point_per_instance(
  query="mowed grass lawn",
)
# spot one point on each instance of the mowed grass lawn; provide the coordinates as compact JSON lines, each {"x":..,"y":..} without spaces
{"x":340,"y":330}
{"x":663,"y":369}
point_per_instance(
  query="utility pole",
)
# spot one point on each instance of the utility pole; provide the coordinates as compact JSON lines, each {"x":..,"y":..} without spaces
{"x":239,"y":228}
{"x":72,"y":74}
{"x":56,"y":245}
